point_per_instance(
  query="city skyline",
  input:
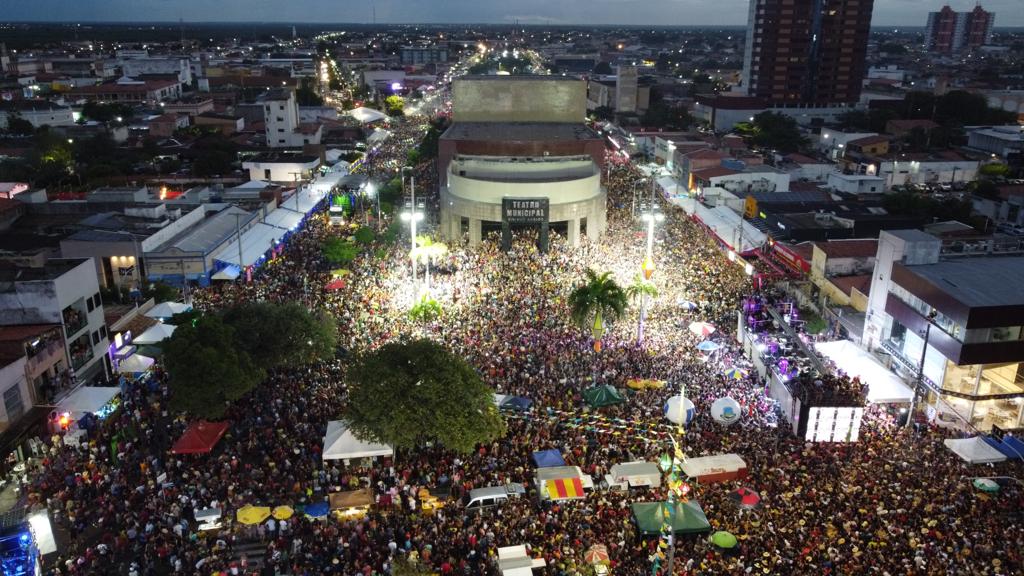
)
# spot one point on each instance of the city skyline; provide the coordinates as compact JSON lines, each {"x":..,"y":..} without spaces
{"x":568,"y":12}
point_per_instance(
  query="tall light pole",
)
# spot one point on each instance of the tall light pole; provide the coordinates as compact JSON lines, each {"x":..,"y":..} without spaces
{"x":651,"y":215}
{"x":412,"y":215}
{"x":920,"y":368}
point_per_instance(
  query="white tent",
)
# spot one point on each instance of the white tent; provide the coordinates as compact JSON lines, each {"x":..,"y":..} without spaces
{"x":378,"y":135}
{"x":340,"y":443}
{"x":974,"y":450}
{"x":88,"y":399}
{"x":167,"y":309}
{"x":229,"y":272}
{"x":155,"y":333}
{"x":256,"y":242}
{"x":884,"y":387}
{"x":134,"y":364}
{"x":514,"y":561}
{"x":717,"y":468}
{"x":283,"y":218}
{"x":732,"y":229}
{"x":671,"y":186}
{"x":367,"y":115}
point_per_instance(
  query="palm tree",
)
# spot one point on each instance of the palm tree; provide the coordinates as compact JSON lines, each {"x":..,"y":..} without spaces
{"x":641,"y":290}
{"x":598,"y":300}
{"x":426,"y":251}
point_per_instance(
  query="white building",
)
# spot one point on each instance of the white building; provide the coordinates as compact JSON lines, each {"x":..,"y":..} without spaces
{"x":37,"y":112}
{"x":17,"y":398}
{"x":179,"y":66}
{"x":855,"y":183}
{"x":281,"y":167}
{"x":284,"y":129}
{"x":65,"y":292}
{"x":999,"y":140}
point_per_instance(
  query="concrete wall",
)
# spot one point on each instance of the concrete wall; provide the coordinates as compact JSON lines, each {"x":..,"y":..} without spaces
{"x":510,"y":99}
{"x":559,"y":192}
{"x":13,"y":376}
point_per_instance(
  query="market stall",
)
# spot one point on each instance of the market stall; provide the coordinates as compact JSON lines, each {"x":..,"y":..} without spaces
{"x":717,"y":468}
{"x":974,"y":450}
{"x":350,"y":505}
{"x":685,"y":518}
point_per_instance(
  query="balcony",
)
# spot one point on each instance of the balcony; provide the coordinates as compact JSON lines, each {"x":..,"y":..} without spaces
{"x":45,"y":356}
{"x":81,"y":358}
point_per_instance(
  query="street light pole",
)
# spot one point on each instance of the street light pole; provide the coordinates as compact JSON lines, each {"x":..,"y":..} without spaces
{"x":920,"y":368}
{"x":238,"y":234}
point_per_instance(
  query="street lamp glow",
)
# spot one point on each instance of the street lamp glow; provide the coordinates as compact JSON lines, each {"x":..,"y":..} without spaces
{"x":412,"y":216}
{"x":732,"y":256}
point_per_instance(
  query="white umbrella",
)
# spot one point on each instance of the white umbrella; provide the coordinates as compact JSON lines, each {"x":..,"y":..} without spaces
{"x":134,"y":364}
{"x":155,"y":333}
{"x":167,"y":309}
{"x":702,"y":329}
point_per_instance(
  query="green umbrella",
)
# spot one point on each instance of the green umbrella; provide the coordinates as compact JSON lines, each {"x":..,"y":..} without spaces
{"x":986,"y":485}
{"x":723,"y":539}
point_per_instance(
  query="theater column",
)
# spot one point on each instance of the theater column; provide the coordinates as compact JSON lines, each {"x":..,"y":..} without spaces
{"x":474,"y":231}
{"x":574,"y":232}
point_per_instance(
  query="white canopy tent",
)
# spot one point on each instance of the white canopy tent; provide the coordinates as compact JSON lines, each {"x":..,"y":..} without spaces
{"x":322,"y":185}
{"x":730,"y":227}
{"x":88,"y":399}
{"x":284,"y":218}
{"x":134,"y":364}
{"x":974,"y":450}
{"x":155,"y":333}
{"x":341,"y":444}
{"x":671,"y":186}
{"x":367,"y":115}
{"x":256,"y":242}
{"x":379,"y":135}
{"x":514,"y":561}
{"x":884,"y":387}
{"x":167,"y":309}
{"x":230,"y":272}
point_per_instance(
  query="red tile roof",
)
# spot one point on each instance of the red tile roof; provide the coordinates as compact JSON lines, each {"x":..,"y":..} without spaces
{"x":847,"y":283}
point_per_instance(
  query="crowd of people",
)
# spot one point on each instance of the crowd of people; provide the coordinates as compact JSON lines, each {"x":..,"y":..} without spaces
{"x":895,"y":502}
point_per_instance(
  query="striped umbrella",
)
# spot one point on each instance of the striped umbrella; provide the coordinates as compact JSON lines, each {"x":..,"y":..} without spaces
{"x":735,"y":373}
{"x":597,"y":554}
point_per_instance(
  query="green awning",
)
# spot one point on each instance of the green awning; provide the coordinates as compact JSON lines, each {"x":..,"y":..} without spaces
{"x":688,"y":517}
{"x":600,"y":396}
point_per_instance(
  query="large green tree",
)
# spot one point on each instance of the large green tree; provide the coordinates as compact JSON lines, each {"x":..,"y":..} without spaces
{"x":207,"y":371}
{"x":282,"y":335}
{"x":778,"y":132}
{"x":407,"y":394}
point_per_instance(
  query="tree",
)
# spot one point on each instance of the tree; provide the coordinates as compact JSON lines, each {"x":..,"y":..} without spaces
{"x":597,"y":301}
{"x":603,"y":69}
{"x":407,"y":394}
{"x":282,"y":335}
{"x":777,"y":132}
{"x":603,"y":113}
{"x":641,"y":290}
{"x":18,"y":126}
{"x":161,"y":292}
{"x":426,"y":310}
{"x":206,"y":370}
{"x":337,"y":251}
{"x":365,"y":236}
{"x":394,"y":105}
{"x":306,"y":96}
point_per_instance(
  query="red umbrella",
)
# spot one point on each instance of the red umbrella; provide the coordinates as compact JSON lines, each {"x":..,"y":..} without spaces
{"x":596,"y":554}
{"x":336,"y":284}
{"x":746,"y":498}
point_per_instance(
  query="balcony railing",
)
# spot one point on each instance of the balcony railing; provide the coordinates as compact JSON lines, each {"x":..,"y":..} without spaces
{"x":44,"y":355}
{"x":72,"y":329}
{"x":79,"y":360}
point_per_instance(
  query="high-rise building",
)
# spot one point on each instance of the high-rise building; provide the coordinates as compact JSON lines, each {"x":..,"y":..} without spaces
{"x":950,"y":32}
{"x":806,"y":52}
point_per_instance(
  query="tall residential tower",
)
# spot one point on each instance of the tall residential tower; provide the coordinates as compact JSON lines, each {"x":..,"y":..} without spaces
{"x":950,"y":32}
{"x":806,"y":52}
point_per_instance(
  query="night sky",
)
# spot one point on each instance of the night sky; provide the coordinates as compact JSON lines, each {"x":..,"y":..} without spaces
{"x":679,"y":12}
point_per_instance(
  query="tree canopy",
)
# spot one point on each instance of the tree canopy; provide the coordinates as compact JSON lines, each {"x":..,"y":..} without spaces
{"x":394,"y":105}
{"x":597,"y":300}
{"x":777,"y":132}
{"x":280,"y":335}
{"x":407,"y":394}
{"x":207,"y":371}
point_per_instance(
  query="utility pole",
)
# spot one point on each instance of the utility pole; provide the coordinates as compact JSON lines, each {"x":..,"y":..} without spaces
{"x":238,"y":234}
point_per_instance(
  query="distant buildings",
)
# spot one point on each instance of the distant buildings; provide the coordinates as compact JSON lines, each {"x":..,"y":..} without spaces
{"x":281,"y":116}
{"x":422,"y":55}
{"x":950,"y":32}
{"x":807,"y":53}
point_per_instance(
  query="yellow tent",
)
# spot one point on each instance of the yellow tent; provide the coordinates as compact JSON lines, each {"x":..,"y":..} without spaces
{"x":250,"y":514}
{"x":283,"y":512}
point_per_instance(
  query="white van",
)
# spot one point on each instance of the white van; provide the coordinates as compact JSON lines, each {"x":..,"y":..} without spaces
{"x":491,"y":496}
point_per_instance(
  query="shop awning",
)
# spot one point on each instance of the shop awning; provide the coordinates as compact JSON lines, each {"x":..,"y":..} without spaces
{"x":340,"y":443}
{"x":565,"y":489}
{"x":88,"y":399}
{"x":884,"y":387}
{"x":200,"y":438}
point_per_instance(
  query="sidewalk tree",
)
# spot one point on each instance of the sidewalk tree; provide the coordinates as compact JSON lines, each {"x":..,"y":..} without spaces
{"x":207,"y":371}
{"x":599,"y":300}
{"x":408,"y":394}
{"x":282,"y":335}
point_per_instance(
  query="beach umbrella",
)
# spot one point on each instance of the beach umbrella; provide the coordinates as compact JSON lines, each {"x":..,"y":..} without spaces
{"x":708,"y":346}
{"x":283,"y":512}
{"x":986,"y":485}
{"x":317,"y":509}
{"x":687,"y":305}
{"x":336,"y":284}
{"x":735,"y":373}
{"x":596,"y":554}
{"x":745,"y":498}
{"x":250,"y":514}
{"x":723,"y":539}
{"x":702,"y":329}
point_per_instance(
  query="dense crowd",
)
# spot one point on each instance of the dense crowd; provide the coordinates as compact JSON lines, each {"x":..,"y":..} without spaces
{"x":896,"y":502}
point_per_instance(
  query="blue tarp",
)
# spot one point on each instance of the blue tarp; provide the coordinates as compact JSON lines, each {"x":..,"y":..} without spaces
{"x":517,"y":403}
{"x":1006,"y":447}
{"x":548,"y":458}
{"x":317,"y":510}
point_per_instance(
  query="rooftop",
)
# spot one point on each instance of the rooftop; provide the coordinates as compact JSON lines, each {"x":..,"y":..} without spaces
{"x":24,"y":332}
{"x":848,"y":248}
{"x":208,"y":234}
{"x":51,"y":271}
{"x":519,"y":131}
{"x":978,"y":282}
{"x":861,"y":282}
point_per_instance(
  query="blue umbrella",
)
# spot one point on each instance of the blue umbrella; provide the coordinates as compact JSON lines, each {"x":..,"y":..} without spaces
{"x":708,"y":346}
{"x":317,"y":509}
{"x":517,"y":403}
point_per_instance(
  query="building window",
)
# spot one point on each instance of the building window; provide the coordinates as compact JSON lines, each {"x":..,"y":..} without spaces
{"x":96,"y":337}
{"x":89,"y":305}
{"x":96,"y":297}
{"x":13,"y":403}
{"x":103,"y":331}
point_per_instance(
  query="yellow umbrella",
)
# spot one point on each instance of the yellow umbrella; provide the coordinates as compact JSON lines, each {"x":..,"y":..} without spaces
{"x":340,"y":272}
{"x":250,"y":514}
{"x":283,"y":512}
